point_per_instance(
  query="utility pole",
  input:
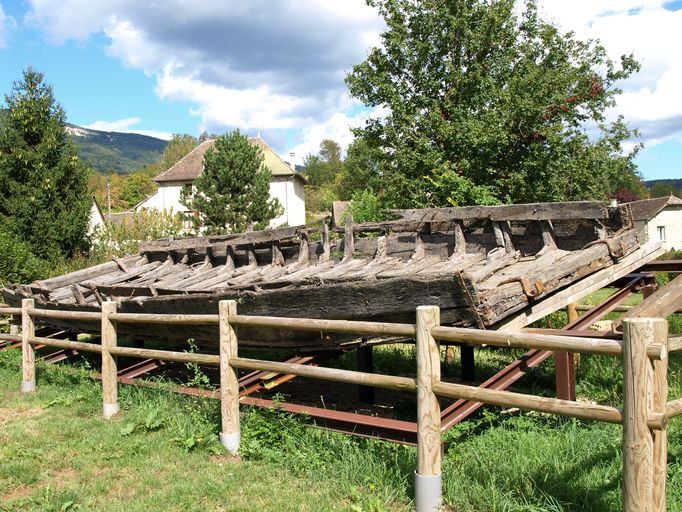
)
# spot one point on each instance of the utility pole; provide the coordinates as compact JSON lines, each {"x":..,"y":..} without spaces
{"x":109,"y":199}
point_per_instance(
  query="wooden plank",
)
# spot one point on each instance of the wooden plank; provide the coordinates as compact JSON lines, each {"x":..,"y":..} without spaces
{"x":233,"y":240}
{"x":512,"y":212}
{"x":663,"y":303}
{"x":582,"y":288}
{"x":85,"y":274}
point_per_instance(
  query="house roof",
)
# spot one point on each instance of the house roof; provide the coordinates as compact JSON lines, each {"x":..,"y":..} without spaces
{"x":190,"y":167}
{"x":647,"y":209}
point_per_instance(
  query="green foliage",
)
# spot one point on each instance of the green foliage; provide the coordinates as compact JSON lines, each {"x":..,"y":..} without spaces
{"x":365,"y":207}
{"x":17,"y":263}
{"x":486,"y":105}
{"x":44,"y":196}
{"x":664,"y":188}
{"x":361,"y":170}
{"x":232,"y":193}
{"x":321,"y":169}
{"x":320,"y":199}
{"x":122,"y":238}
{"x":137,"y":187}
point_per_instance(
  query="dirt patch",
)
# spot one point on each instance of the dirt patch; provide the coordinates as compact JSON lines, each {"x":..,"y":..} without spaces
{"x":8,"y":415}
{"x":17,"y":493}
{"x":224,"y":460}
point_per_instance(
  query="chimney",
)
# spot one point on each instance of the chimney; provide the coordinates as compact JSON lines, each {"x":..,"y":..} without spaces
{"x":292,"y":155}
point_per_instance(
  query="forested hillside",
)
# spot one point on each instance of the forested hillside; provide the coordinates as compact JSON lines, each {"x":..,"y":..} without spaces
{"x":113,"y":151}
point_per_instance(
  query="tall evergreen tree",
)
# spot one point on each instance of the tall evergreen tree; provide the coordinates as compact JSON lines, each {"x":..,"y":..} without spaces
{"x":233,"y":191}
{"x":44,"y":195}
{"x":487,"y":105}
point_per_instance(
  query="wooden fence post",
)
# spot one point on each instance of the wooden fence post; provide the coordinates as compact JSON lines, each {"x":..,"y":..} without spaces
{"x":638,"y":397}
{"x":428,"y":489}
{"x":229,"y":381}
{"x":659,"y":399}
{"x":28,"y":354}
{"x":109,"y":369}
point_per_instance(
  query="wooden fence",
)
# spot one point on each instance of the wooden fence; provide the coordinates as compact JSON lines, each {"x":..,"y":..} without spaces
{"x":644,"y":352}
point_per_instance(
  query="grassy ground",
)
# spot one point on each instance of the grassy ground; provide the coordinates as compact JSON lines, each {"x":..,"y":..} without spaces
{"x":162,"y":452}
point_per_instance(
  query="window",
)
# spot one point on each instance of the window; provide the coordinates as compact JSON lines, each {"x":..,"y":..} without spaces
{"x":661,"y":233}
{"x":187,"y":222}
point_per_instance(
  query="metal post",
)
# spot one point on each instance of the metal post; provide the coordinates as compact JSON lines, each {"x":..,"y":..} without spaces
{"x":229,"y":381}
{"x":109,"y":369}
{"x":427,"y":483}
{"x":28,"y":354}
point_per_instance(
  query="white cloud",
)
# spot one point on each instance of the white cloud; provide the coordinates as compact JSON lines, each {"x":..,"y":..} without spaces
{"x":7,"y":24}
{"x":279,"y":65}
{"x":257,"y":65}
{"x":124,"y":126}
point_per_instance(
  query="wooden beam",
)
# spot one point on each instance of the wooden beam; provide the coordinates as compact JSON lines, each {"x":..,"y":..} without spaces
{"x":661,"y":304}
{"x":582,"y":288}
{"x":532,"y":211}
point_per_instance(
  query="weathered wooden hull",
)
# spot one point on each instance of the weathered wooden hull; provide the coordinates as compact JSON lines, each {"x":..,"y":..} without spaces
{"x":479,"y":270}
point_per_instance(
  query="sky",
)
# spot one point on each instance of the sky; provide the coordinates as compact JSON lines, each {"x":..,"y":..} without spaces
{"x":277,"y":67}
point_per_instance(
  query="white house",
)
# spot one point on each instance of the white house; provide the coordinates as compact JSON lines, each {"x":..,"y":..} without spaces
{"x":659,"y":220}
{"x":96,"y":219}
{"x":285,"y":184}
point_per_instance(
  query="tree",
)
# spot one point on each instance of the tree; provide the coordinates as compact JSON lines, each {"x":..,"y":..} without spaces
{"x":322,"y":169}
{"x":44,"y":195}
{"x":665,"y":189}
{"x":485,"y":105}
{"x":362,"y":170}
{"x":232,"y":192}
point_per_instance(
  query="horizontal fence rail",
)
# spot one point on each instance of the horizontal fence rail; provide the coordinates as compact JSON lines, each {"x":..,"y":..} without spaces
{"x":644,"y":353}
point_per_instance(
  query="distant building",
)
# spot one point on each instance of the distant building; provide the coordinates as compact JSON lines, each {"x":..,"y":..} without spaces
{"x":96,"y":223}
{"x":659,"y":220}
{"x":286,"y":185}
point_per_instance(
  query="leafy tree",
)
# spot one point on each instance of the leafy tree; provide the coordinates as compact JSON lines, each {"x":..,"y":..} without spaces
{"x":137,"y":186}
{"x":233,"y":191}
{"x":322,"y":169}
{"x":664,"y":189}
{"x":362,"y":170}
{"x":485,"y":105}
{"x":44,"y":195}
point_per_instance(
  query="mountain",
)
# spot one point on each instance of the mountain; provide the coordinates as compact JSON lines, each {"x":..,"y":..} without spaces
{"x":675,"y":183}
{"x":114,"y":151}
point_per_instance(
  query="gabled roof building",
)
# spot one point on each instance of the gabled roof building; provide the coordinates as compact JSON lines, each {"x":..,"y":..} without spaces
{"x":659,"y":220}
{"x":286,"y":184}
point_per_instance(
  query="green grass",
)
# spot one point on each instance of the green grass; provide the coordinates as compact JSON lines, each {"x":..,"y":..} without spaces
{"x":162,"y":452}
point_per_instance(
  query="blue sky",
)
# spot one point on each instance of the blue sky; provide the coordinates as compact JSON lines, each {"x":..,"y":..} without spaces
{"x":277,"y":67}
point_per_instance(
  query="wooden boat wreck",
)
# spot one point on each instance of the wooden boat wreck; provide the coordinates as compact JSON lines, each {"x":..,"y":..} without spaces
{"x":479,"y":264}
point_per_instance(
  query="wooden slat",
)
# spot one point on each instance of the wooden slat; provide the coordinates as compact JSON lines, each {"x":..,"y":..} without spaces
{"x":235,"y":240}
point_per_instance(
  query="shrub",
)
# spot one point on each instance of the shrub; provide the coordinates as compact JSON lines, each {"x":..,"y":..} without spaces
{"x":365,"y":207}
{"x":124,"y":237}
{"x":17,"y":263}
